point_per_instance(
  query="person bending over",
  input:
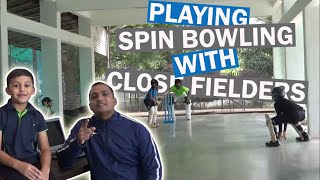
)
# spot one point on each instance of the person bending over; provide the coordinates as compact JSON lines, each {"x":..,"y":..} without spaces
{"x":287,"y":112}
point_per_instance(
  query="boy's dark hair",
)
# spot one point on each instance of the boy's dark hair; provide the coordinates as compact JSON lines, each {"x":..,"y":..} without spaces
{"x":177,"y":81}
{"x":17,"y":73}
{"x":98,"y":83}
{"x":154,"y":81}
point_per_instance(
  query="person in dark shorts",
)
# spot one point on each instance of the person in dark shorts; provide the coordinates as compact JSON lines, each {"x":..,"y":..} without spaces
{"x":287,"y":112}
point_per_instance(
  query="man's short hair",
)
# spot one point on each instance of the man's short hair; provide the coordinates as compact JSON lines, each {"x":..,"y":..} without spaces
{"x":17,"y":73}
{"x":177,"y":81}
{"x":98,"y":83}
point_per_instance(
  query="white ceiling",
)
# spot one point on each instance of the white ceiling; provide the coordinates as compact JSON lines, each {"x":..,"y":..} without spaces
{"x":122,"y":12}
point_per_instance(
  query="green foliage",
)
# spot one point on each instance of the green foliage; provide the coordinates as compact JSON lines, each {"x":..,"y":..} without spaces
{"x":256,"y":62}
{"x":70,"y":68}
{"x":233,"y":71}
{"x":100,"y":64}
{"x":141,"y":61}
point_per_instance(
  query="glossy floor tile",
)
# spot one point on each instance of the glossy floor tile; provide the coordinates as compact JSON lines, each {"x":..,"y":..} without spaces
{"x":232,"y":147}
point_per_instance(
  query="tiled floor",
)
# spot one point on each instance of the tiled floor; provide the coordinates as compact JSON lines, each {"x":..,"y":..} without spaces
{"x":232,"y":147}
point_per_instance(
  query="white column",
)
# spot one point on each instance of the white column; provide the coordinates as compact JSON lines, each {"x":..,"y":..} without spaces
{"x":287,"y":5}
{"x":86,"y":59}
{"x":311,"y":39}
{"x":51,"y":57}
{"x":279,"y":68}
{"x":292,"y":8}
{"x":295,"y":55}
{"x":4,"y":63}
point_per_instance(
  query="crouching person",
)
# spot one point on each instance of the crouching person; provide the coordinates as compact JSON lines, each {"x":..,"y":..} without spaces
{"x":287,"y":112}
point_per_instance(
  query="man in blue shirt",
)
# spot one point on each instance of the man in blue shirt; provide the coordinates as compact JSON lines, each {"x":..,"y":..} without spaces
{"x":116,"y":146}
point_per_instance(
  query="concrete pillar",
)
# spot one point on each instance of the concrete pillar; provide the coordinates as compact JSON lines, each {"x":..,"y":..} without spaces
{"x":295,"y":55}
{"x":311,"y":39}
{"x":279,"y":68}
{"x":51,"y":58}
{"x":287,"y":4}
{"x":86,"y":59}
{"x":4,"y":63}
{"x":108,"y":39}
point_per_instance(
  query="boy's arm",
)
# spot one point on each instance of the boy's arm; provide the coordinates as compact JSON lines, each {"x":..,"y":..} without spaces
{"x":187,"y":91}
{"x":276,"y":108}
{"x":45,"y":156}
{"x":187,"y":98}
{"x":285,"y":126}
{"x":280,"y":128}
{"x":71,"y":149}
{"x":25,"y":169}
{"x":284,"y":132}
{"x":5,"y":159}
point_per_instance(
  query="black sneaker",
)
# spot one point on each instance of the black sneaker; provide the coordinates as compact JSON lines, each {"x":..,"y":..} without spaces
{"x":305,"y":138}
{"x":273,"y":144}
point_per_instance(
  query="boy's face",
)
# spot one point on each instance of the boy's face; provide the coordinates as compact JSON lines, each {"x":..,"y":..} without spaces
{"x":178,"y":85}
{"x":101,"y":99}
{"x":154,"y":85}
{"x":45,"y":103}
{"x":50,"y":103}
{"x":20,"y":89}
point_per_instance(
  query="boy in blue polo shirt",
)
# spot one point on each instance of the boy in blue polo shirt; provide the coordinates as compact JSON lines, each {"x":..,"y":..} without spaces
{"x":22,"y":131}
